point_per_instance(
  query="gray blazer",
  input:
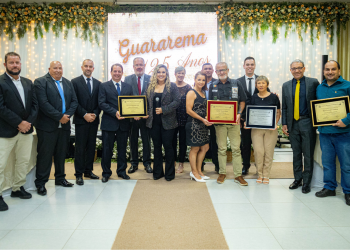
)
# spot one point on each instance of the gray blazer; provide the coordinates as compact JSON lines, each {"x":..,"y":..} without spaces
{"x":288,"y":102}
{"x":169,"y":103}
{"x":132,"y":81}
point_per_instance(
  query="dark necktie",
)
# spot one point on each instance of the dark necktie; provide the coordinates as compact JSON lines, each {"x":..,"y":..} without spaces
{"x":62,"y":97}
{"x":139,"y":84}
{"x":250,"y":85}
{"x":118,"y":88}
{"x":89,"y":84}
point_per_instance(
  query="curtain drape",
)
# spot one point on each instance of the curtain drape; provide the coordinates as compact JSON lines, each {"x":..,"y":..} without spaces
{"x":344,"y":52}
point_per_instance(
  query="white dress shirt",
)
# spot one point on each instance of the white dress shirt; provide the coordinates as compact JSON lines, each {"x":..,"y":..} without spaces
{"x":251,"y":91}
{"x":19,"y":87}
{"x":90,"y":82}
{"x":115,"y":85}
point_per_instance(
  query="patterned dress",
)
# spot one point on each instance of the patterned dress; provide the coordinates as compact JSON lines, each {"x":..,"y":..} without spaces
{"x":196,"y":131}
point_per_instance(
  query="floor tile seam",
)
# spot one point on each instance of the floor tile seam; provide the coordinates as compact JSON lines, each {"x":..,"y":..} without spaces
{"x":8,"y":231}
{"x":37,"y":206}
{"x":316,"y":214}
{"x":347,"y":240}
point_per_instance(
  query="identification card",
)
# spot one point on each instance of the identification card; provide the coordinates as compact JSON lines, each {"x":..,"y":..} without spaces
{"x":235,"y":92}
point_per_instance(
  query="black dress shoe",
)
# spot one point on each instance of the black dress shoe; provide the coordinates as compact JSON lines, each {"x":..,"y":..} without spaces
{"x":325,"y":192}
{"x":92,"y":176}
{"x":105,"y":179}
{"x":41,"y":190}
{"x":295,"y":184}
{"x":21,"y":193}
{"x":3,"y":205}
{"x":245,"y":170}
{"x":148,"y":169}
{"x":64,"y":183}
{"x":124,"y":176}
{"x":306,"y":189}
{"x":168,"y":179}
{"x":79,"y":181}
{"x":347,"y":199}
{"x":132,"y":169}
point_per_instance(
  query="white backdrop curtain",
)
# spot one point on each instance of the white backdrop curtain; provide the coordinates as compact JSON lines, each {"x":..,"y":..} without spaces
{"x":273,"y":60}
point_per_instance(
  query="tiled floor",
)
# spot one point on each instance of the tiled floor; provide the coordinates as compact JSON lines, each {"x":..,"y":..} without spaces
{"x":273,"y":217}
{"x":252,"y":217}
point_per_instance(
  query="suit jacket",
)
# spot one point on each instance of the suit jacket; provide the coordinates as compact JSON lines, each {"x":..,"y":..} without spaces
{"x":12,"y":111}
{"x":87,"y":102}
{"x":108,"y":102}
{"x":169,"y":103}
{"x":132,"y":81}
{"x":288,"y":102}
{"x":50,"y":103}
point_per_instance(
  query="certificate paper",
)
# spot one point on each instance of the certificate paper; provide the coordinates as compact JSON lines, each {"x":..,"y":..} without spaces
{"x":132,"y":106}
{"x":261,"y":117}
{"x":222,"y":112}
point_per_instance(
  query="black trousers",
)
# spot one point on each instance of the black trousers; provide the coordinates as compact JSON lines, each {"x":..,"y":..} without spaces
{"x":182,"y":143}
{"x":85,"y":143}
{"x":303,"y":140}
{"x":212,"y":153}
{"x":51,"y":144}
{"x":162,"y":137}
{"x":137,"y":126}
{"x":246,"y":142}
{"x":108,"y":139}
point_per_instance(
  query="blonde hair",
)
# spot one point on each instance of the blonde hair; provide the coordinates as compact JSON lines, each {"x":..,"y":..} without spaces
{"x":153,"y":82}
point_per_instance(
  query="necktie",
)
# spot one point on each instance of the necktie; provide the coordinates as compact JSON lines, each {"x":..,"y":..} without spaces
{"x":296,"y":101}
{"x":62,"y":97}
{"x":118,"y":88}
{"x":88,"y":84}
{"x":250,"y":85}
{"x":139,"y":84}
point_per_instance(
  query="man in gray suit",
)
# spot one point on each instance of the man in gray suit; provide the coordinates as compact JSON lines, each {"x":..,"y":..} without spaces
{"x":297,"y":124}
{"x":139,"y":83}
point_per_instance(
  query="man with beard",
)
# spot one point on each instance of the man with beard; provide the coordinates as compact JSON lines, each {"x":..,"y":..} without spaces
{"x":57,"y":102}
{"x":139,"y":83}
{"x":18,"y":111}
{"x":86,"y":120}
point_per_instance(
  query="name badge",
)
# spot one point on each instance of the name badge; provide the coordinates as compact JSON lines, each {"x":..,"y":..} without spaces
{"x":234,"y":92}
{"x":214,"y":90}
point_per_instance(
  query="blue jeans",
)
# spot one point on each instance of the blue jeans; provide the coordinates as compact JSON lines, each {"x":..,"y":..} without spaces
{"x":333,"y":145}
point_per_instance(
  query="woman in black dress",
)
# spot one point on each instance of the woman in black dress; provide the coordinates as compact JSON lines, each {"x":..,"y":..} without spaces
{"x":196,"y":127}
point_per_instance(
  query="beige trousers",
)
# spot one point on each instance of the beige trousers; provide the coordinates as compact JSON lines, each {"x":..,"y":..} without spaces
{"x":264,"y":142}
{"x":22,"y":144}
{"x":233,"y":133}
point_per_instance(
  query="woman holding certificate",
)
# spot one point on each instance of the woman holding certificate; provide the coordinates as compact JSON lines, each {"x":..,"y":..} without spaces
{"x":196,"y":127}
{"x":163,"y":99}
{"x":264,"y":140}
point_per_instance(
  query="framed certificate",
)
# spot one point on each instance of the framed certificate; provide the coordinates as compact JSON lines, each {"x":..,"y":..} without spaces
{"x":261,"y":117}
{"x":222,"y":112}
{"x":328,"y":111}
{"x":132,"y":106}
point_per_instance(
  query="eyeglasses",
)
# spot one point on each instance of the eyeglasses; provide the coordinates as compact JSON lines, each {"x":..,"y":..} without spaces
{"x":221,"y":71}
{"x":295,"y":69}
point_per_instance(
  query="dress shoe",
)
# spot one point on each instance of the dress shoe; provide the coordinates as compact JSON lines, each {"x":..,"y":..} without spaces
{"x":124,"y":176}
{"x":148,"y":169}
{"x":79,"y":181}
{"x":105,"y":179}
{"x":306,"y":189}
{"x":194,"y":177}
{"x":3,"y":205}
{"x":168,"y":179}
{"x":21,"y":193}
{"x":295,"y":184}
{"x":64,"y":183}
{"x":347,"y":199}
{"x":325,"y":192}
{"x":92,"y":176}
{"x":132,"y":169}
{"x":41,"y":190}
{"x":245,"y":170}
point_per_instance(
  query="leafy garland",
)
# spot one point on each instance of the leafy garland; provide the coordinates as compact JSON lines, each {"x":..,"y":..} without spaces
{"x":237,"y":17}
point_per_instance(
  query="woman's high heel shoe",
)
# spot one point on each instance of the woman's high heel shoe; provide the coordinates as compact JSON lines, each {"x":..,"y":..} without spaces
{"x":198,"y":180}
{"x":204,"y":177}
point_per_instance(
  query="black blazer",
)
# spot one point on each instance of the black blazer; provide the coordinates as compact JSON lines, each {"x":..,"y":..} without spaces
{"x":50,"y":103}
{"x":131,"y":80}
{"x":288,"y":102}
{"x":170,"y":102}
{"x":12,"y":111}
{"x":108,"y":102}
{"x":87,"y":102}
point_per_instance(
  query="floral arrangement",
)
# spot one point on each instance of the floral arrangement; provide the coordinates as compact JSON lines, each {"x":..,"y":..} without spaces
{"x":235,"y":18}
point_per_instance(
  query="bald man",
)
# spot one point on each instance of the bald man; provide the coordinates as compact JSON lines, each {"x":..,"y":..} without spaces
{"x":57,"y":103}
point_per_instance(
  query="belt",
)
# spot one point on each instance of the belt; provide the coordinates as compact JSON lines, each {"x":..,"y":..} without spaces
{"x":303,"y":117}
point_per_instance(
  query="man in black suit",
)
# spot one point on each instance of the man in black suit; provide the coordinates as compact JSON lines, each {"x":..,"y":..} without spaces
{"x":86,"y":120}
{"x":114,"y":128}
{"x":297,"y":123}
{"x":139,"y":83}
{"x":57,"y":103}
{"x":18,"y":110}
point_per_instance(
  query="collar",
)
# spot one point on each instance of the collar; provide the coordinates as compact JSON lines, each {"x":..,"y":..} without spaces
{"x":247,"y":77}
{"x":87,"y":77}
{"x":141,"y":77}
{"x":120,"y":82}
{"x":13,"y":79}
{"x":302,"y":80}
{"x":339,"y":81}
{"x":227,"y":80}
{"x":60,"y":80}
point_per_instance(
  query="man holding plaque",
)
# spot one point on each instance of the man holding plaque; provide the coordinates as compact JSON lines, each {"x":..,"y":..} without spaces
{"x":297,"y":123}
{"x":226,"y":89}
{"x":335,"y":138}
{"x":139,"y":83}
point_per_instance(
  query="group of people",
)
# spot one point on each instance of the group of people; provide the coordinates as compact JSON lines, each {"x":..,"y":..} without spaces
{"x":173,"y":108}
